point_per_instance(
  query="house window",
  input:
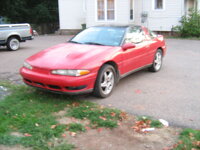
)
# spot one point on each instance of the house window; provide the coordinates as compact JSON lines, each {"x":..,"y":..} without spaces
{"x":106,"y":10}
{"x":158,"y":4}
{"x":101,"y":10}
{"x":110,"y":10}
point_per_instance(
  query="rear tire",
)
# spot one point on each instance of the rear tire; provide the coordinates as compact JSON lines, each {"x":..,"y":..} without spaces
{"x":13,"y":44}
{"x":157,"y":62}
{"x":105,"y":82}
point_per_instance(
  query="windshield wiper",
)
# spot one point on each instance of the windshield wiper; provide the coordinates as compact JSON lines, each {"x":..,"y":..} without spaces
{"x":93,"y":43}
{"x":75,"y":42}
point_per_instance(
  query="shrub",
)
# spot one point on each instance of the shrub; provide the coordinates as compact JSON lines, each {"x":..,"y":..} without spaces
{"x":190,"y":25}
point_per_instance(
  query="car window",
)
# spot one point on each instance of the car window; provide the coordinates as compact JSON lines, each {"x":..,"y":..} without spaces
{"x":110,"y":36}
{"x":152,"y":34}
{"x":134,"y":35}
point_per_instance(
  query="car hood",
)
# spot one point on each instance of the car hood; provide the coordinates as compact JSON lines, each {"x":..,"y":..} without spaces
{"x":69,"y":56}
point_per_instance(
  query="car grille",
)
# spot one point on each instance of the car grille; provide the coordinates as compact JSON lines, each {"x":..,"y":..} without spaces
{"x":52,"y":87}
{"x":39,"y":84}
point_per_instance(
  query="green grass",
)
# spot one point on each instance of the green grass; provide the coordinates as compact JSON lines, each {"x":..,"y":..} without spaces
{"x":75,"y":127}
{"x":29,"y":111}
{"x":153,"y":123}
{"x":156,"y":124}
{"x":63,"y":147}
{"x":188,"y":139}
{"x":98,"y":116}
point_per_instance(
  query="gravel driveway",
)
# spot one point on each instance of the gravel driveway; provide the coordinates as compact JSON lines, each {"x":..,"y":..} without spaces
{"x":172,"y":94}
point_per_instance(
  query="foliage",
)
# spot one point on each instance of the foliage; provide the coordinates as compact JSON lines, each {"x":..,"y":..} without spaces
{"x":189,"y":139}
{"x":75,"y":127}
{"x":64,"y":147}
{"x":31,"y":11}
{"x":190,"y":25}
{"x":98,"y":116}
{"x":150,"y":121}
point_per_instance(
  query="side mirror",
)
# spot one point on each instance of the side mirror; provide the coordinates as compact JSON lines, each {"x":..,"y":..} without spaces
{"x":128,"y":46}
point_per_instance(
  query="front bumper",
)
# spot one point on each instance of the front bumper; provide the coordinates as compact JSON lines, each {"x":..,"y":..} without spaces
{"x":57,"y":83}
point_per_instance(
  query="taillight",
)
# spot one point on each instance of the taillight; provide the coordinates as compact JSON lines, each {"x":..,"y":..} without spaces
{"x":31,"y":31}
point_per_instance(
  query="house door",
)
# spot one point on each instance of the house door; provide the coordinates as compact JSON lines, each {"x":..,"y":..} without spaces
{"x":136,"y":57}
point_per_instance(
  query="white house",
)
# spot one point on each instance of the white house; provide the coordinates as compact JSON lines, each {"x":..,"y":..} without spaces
{"x":157,"y":15}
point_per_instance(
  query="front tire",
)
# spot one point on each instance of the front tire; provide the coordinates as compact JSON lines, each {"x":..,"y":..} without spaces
{"x":157,"y":63}
{"x":105,"y":81}
{"x":13,"y":44}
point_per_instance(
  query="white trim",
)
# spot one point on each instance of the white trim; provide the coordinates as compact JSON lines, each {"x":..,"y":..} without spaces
{"x":153,"y":6}
{"x":84,"y":6}
{"x":105,"y":10}
{"x":132,"y":20}
{"x":59,"y":13}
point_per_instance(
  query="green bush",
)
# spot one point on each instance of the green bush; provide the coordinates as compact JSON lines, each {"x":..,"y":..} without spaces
{"x":190,"y":25}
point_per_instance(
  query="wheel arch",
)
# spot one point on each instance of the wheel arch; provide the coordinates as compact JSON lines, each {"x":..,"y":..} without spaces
{"x":97,"y":89}
{"x":114,"y":64}
{"x":15,"y":35}
{"x":160,"y":48}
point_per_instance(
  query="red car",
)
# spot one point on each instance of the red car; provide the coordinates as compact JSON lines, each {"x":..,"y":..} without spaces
{"x":95,"y":60}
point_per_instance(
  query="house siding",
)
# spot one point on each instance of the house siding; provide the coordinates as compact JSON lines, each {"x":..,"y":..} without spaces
{"x":138,"y":8}
{"x":157,"y":20}
{"x":163,"y":20}
{"x":71,"y":14}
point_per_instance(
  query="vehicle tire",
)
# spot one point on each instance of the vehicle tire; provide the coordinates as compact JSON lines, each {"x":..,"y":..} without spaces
{"x":13,"y":44}
{"x":157,"y":62}
{"x":105,"y":81}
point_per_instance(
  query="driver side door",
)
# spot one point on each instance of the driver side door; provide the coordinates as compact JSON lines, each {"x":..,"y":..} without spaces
{"x":135,"y":58}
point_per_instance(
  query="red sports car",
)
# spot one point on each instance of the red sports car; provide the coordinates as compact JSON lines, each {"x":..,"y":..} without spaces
{"x":95,"y":60}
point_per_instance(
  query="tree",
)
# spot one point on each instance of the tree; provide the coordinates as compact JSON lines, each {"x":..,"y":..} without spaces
{"x":31,"y":11}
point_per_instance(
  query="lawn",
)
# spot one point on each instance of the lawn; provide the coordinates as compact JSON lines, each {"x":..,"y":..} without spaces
{"x":29,"y":113}
{"x":189,"y":139}
{"x":27,"y":117}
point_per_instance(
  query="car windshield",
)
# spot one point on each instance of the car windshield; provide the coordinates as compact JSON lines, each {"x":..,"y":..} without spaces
{"x":110,"y":36}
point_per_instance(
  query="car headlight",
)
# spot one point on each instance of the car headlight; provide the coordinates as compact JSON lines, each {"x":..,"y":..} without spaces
{"x":27,"y":65}
{"x":71,"y":72}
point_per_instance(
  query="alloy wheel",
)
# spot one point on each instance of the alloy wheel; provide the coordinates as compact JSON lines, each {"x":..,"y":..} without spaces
{"x":107,"y":82}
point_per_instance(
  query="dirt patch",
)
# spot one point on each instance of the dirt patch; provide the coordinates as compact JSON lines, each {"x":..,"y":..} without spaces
{"x":121,"y":138}
{"x":11,"y":77}
{"x":60,"y":113}
{"x":16,"y":147}
{"x":62,"y":119}
{"x":67,"y":120}
{"x":124,"y":139}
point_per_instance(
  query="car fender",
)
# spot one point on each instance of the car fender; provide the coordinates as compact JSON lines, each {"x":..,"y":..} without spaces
{"x":114,"y":60}
{"x":13,"y":34}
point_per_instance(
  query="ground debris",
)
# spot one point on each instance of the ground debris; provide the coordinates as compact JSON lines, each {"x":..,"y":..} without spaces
{"x":2,"y":88}
{"x":3,"y":92}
